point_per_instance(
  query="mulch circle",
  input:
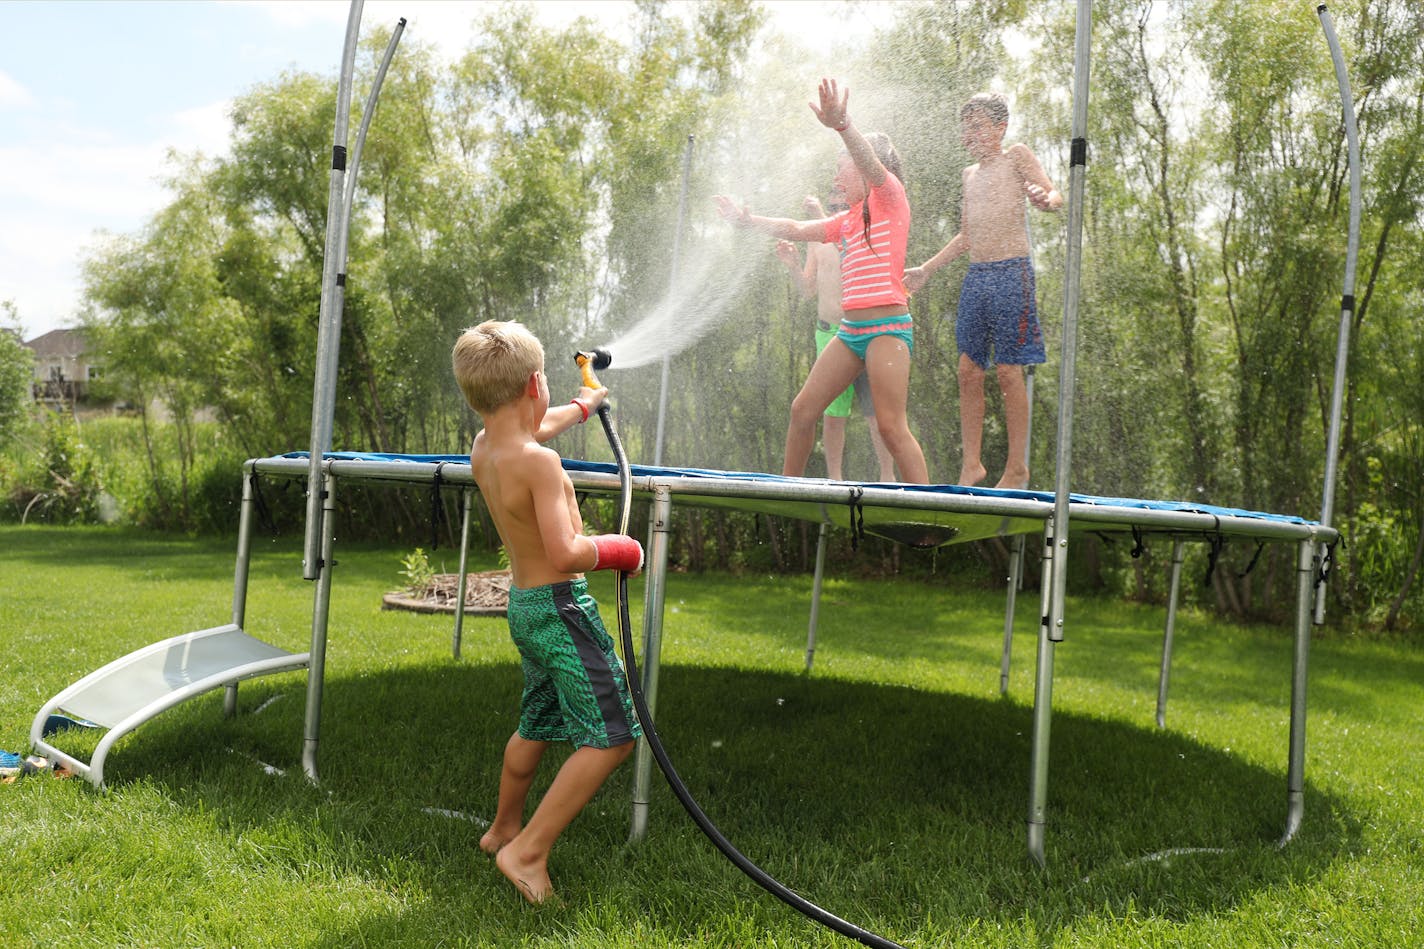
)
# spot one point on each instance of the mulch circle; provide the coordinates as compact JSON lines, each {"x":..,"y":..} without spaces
{"x":486,"y":594}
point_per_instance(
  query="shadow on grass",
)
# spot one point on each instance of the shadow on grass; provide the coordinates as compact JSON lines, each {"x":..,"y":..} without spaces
{"x":901,"y":810}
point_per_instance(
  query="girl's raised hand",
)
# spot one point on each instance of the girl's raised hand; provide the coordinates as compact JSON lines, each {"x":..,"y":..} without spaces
{"x":832,"y":113}
{"x":729,"y":209}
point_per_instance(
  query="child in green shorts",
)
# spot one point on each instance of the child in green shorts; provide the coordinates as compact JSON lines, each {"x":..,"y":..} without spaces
{"x":575,"y":689}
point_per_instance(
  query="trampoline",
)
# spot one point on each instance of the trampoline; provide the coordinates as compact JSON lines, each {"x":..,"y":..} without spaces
{"x":938,"y":514}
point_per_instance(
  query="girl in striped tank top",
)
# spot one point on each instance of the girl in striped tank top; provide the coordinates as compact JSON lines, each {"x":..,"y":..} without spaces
{"x":876,"y":333}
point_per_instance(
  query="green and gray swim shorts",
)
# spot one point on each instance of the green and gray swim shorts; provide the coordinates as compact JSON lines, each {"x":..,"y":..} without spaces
{"x":575,"y":689}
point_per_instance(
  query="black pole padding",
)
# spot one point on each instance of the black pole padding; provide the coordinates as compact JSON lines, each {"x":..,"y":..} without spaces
{"x":1347,"y":303}
{"x":1079,"y":154}
{"x":338,"y":157}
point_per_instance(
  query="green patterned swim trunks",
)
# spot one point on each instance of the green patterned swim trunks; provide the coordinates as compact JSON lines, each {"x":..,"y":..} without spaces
{"x":575,"y":689}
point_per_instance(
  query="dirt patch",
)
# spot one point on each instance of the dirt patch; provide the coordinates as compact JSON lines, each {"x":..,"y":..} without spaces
{"x":486,"y":594}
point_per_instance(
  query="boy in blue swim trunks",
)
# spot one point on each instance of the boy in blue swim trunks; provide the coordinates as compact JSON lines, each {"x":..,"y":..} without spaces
{"x":997,"y":319}
{"x":575,"y":689}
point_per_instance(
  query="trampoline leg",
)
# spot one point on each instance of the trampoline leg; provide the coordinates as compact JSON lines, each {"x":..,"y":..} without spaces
{"x":1178,"y":554}
{"x":1042,"y":705}
{"x":1016,"y":561}
{"x":816,"y":594}
{"x":239,"y":576}
{"x":655,"y":574}
{"x":1295,"y":769}
{"x":316,"y":670}
{"x":465,"y":499}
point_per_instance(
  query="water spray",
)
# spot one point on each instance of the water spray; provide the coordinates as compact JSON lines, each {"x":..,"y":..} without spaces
{"x":588,"y":361}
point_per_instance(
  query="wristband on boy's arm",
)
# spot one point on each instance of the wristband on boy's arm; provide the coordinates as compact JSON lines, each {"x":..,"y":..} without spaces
{"x":583,"y":407}
{"x":617,"y":552}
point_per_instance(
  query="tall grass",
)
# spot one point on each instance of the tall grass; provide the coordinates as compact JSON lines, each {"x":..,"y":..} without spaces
{"x":890,"y":785}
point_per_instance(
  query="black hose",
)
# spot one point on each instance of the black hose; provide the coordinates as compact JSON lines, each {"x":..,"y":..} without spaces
{"x":763,"y":879}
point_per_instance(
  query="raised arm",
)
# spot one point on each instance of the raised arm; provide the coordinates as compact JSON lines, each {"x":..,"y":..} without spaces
{"x":782,"y":227}
{"x":835,"y":116}
{"x":560,"y":418}
{"x":1038,"y":187}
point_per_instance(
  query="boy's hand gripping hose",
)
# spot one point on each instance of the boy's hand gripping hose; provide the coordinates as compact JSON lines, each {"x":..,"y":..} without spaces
{"x":600,"y":359}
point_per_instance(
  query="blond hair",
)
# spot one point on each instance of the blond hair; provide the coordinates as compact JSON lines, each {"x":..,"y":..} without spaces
{"x":493,"y":363}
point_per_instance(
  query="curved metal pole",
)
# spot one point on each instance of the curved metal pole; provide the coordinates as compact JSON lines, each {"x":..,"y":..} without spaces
{"x":343,"y":233}
{"x":1347,"y":300}
{"x":367,"y":114}
{"x":329,"y":321}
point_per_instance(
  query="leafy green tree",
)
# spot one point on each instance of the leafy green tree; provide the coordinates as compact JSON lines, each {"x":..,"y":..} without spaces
{"x":16,"y":376}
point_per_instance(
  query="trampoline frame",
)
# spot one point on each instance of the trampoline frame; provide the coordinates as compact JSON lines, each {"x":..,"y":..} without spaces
{"x":1011,"y":510}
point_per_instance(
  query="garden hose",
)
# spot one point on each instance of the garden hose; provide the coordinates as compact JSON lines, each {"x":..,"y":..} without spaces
{"x":600,"y":359}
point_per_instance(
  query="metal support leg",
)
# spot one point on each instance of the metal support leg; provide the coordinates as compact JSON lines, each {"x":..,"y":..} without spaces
{"x":655,"y":572}
{"x":466,"y":500}
{"x":1016,"y":562}
{"x":1042,"y":703}
{"x":816,"y":594}
{"x":239,"y":576}
{"x":1178,"y":555}
{"x":1295,"y":768}
{"x":321,"y":608}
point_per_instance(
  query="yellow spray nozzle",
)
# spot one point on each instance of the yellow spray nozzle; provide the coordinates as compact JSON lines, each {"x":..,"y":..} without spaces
{"x":588,"y":361}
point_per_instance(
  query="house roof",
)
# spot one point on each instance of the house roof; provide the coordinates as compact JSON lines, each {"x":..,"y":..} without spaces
{"x":59,"y":343}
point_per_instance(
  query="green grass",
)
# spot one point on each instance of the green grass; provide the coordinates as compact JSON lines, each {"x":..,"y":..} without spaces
{"x":889,"y":787}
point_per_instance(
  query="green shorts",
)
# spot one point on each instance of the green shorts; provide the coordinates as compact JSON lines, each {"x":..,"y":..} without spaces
{"x":860,"y":389}
{"x":575,"y":689}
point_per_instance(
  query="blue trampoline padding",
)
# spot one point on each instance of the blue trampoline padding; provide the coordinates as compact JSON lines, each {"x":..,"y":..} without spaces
{"x":642,"y":471}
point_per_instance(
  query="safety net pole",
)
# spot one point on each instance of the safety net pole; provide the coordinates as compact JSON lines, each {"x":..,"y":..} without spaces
{"x":1347,"y":299}
{"x":1056,"y":538}
{"x":329,"y":317}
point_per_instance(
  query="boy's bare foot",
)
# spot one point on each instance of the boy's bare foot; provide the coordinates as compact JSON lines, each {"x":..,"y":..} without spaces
{"x":530,"y":878}
{"x":970,"y":475}
{"x":1017,"y":479}
{"x":497,"y":837}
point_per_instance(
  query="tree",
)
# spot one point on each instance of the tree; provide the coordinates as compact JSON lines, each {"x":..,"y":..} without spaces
{"x":16,"y":376}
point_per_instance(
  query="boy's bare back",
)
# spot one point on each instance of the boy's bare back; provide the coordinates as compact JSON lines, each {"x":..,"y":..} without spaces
{"x":531,"y":501}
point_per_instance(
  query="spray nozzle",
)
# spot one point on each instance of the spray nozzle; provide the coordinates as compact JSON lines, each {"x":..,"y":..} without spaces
{"x":588,"y":361}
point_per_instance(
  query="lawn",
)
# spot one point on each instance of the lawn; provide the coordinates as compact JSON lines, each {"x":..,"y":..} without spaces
{"x":890,"y":786}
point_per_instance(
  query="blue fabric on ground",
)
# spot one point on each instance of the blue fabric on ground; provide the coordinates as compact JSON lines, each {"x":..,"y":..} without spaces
{"x":59,"y":723}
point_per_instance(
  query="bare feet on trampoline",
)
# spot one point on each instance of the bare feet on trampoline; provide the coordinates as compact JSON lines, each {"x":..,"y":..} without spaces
{"x":1015,"y":479}
{"x":971,"y":474}
{"x":496,"y":837}
{"x":530,"y":878}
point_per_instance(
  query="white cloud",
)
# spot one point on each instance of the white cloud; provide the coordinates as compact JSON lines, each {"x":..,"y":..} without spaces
{"x":205,"y":129}
{"x":13,"y":95}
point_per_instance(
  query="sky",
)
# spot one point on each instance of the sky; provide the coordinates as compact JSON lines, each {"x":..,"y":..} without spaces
{"x":94,"y":94}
